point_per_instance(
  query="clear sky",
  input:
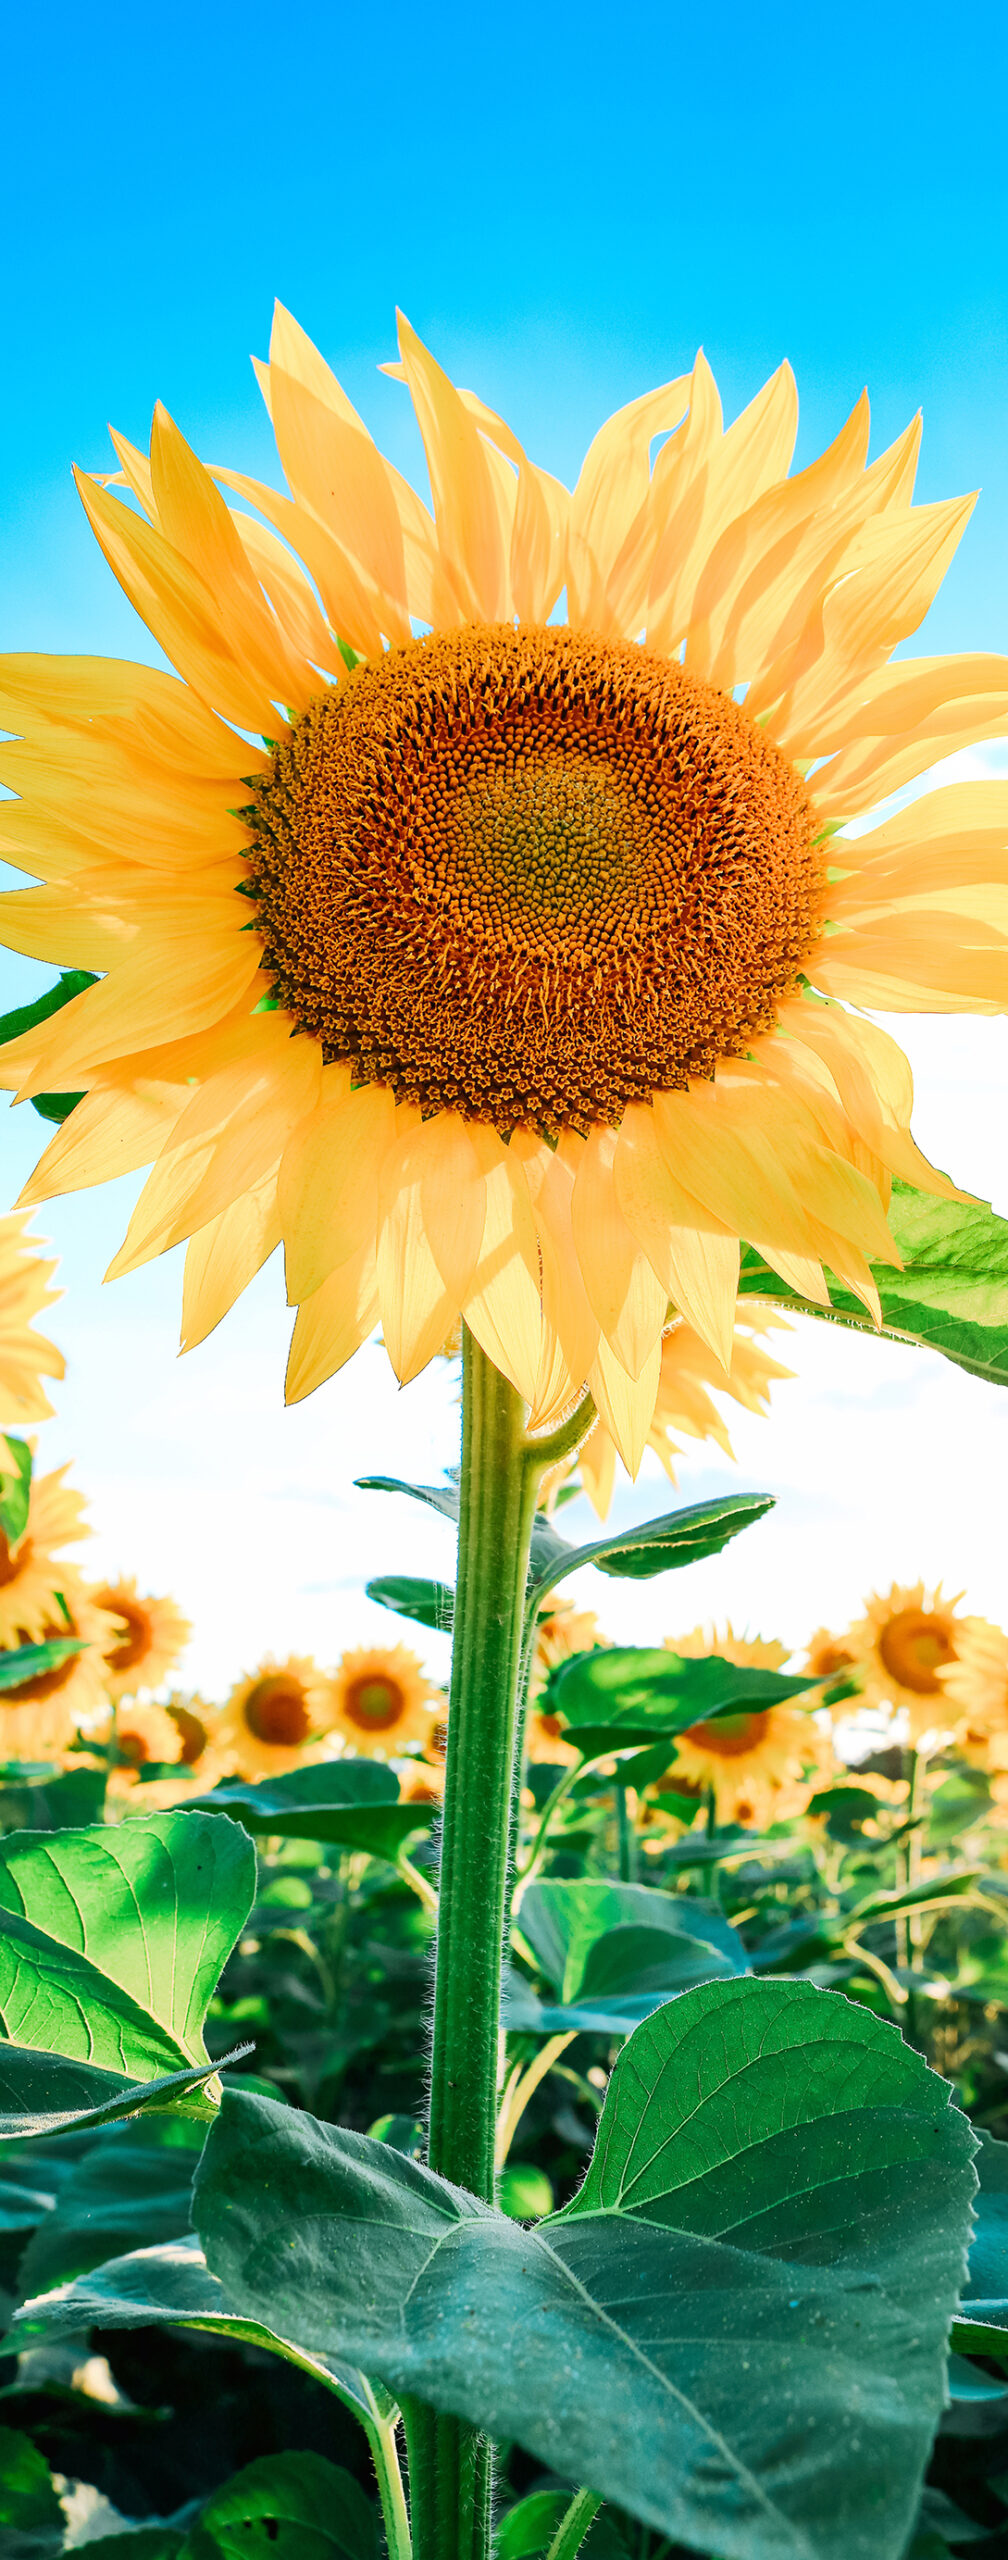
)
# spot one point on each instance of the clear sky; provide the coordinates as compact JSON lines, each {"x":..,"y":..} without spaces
{"x":566,"y":202}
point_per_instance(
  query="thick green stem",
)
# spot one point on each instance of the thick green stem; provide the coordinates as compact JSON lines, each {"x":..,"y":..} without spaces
{"x":449,"y":2465}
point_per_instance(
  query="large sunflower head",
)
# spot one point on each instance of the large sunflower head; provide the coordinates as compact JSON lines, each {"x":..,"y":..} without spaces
{"x":25,"y":1356}
{"x":40,"y":1718}
{"x":759,"y":1765}
{"x":152,"y":1634}
{"x":475,"y":909}
{"x":384,"y":1701}
{"x":902,"y":1647}
{"x":278,"y":1717}
{"x":33,"y":1569}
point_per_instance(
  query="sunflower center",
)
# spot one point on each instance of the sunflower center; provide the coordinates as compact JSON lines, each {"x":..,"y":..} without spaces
{"x":275,"y":1711}
{"x":531,"y":876}
{"x":133,"y":1646}
{"x":729,"y":1736}
{"x":193,"y":1733}
{"x":913,"y":1647}
{"x":374,"y":1703}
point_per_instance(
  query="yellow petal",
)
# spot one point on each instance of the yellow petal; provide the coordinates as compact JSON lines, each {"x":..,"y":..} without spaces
{"x":229,"y":1139}
{"x":109,"y":1133}
{"x":328,"y":1185}
{"x":431,"y":1213}
{"x":623,"y":1290}
{"x":178,"y":608}
{"x":503,"y":1307}
{"x":551,"y":1174}
{"x":626,"y":1405}
{"x":695,"y":1257}
{"x":207,"y":965}
{"x":749,"y":579}
{"x":335,"y":468}
{"x":465,"y":509}
{"x":200,"y":528}
{"x":332,"y":1324}
{"x":223,"y":1257}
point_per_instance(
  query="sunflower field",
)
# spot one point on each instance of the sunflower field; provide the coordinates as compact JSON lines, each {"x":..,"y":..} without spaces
{"x":563,"y":2110}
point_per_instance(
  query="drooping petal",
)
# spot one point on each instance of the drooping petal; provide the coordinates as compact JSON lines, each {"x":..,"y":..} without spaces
{"x":503,"y":1306}
{"x":626,"y":1405}
{"x":222,"y":1258}
{"x":327,"y":1191}
{"x":695,"y":1256}
{"x":623,"y":1289}
{"x":431,"y":1210}
{"x":332,"y":1324}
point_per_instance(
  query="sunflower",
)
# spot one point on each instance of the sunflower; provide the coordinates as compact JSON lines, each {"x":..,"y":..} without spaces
{"x":497,"y":964}
{"x":758,"y":1764}
{"x":144,"y":1733}
{"x":976,"y":1684}
{"x":33,"y":1572}
{"x":907,"y":1639}
{"x":25,"y":1356}
{"x":153,"y":1633}
{"x":690,"y":1369}
{"x":197,"y":1756}
{"x":383,"y":1700}
{"x":39,"y":1719}
{"x":277,"y":1717}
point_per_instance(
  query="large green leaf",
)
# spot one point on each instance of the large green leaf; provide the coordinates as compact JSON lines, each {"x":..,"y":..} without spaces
{"x":982,"y":2324}
{"x":623,"y":1694}
{"x":112,"y":1940}
{"x":951,"y":1295}
{"x":354,"y":1803}
{"x":130,"y":2190}
{"x":42,"y":2094}
{"x":613,"y":1952}
{"x":287,"y":2506}
{"x":654,"y":1546}
{"x":171,"y":2287}
{"x":736,"y":2331}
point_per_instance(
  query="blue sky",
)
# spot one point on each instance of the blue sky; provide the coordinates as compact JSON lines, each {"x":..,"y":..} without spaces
{"x":566,"y":202}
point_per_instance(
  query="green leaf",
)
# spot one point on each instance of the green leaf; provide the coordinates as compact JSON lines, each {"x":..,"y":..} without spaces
{"x":657,"y":1546}
{"x":614,"y":1952}
{"x":32,"y":2522}
{"x":293,"y":2506}
{"x":64,"y":1800}
{"x":352,"y":1802}
{"x":984,"y":2304}
{"x":43,"y":2094}
{"x":431,"y":1604}
{"x":157,"y":1904}
{"x":951,"y":1296}
{"x":171,"y":2287}
{"x":22,"y":1662}
{"x":443,"y":1498}
{"x":735,"y":2332}
{"x":15,"y":1490}
{"x":623,"y":1694}
{"x":130,"y":2190}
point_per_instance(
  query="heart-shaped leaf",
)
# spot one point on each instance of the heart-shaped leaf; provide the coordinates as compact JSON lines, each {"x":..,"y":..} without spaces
{"x":112,"y":1940}
{"x":614,"y":1952}
{"x":623,"y":1694}
{"x":951,"y":1295}
{"x":129,"y":2190}
{"x":353,"y":1803}
{"x":171,"y":2287}
{"x":737,"y":2329}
